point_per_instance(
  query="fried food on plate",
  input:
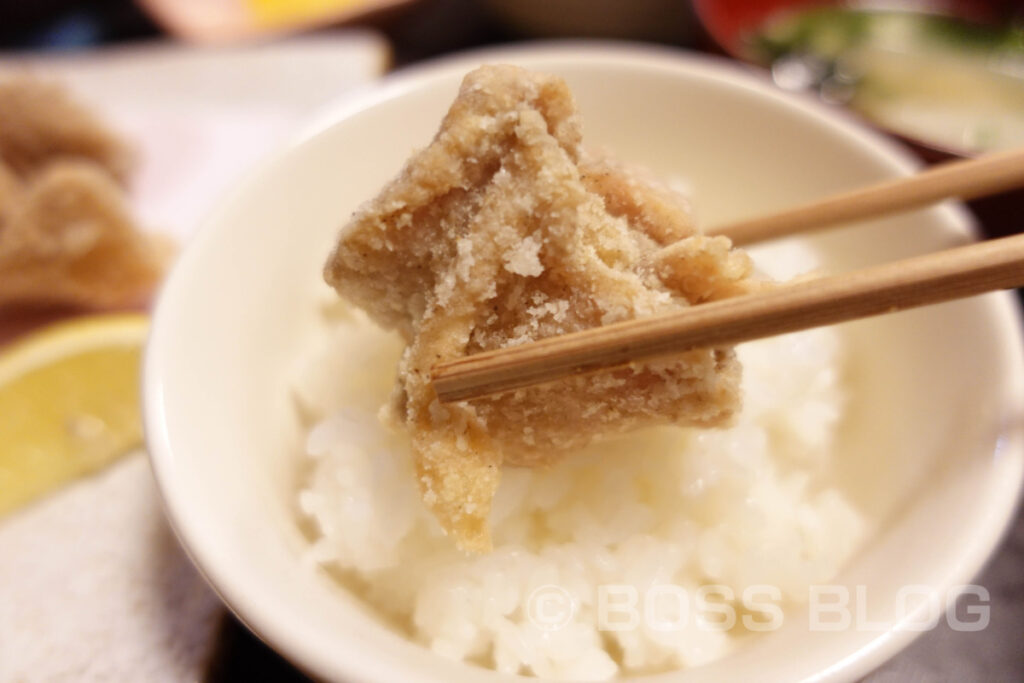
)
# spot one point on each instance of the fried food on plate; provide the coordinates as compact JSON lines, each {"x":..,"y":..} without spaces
{"x":68,"y":238}
{"x":40,"y":122}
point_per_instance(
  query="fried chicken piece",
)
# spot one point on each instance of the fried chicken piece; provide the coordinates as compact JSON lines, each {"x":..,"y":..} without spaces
{"x":503,"y":231}
{"x":69,"y":239}
{"x":40,"y":123}
{"x":10,"y":191}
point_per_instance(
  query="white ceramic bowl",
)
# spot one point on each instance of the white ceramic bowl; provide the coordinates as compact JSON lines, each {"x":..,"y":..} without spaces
{"x":935,"y":427}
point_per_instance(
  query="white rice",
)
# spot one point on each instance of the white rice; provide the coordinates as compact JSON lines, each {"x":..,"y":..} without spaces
{"x":670,"y":508}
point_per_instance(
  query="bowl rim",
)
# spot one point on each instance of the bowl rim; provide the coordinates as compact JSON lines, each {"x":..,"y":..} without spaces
{"x":288,"y":636}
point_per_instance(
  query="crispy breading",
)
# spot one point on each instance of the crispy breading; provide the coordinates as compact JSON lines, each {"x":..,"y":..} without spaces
{"x":40,"y":122}
{"x":10,"y":191}
{"x":70,"y":239}
{"x":503,"y":231}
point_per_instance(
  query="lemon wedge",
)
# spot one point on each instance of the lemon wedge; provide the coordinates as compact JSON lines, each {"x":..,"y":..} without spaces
{"x":69,"y":403}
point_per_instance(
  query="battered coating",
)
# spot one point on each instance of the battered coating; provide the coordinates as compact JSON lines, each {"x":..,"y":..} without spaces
{"x":40,"y":122}
{"x":502,"y":231}
{"x":67,"y":238}
{"x":10,"y":190}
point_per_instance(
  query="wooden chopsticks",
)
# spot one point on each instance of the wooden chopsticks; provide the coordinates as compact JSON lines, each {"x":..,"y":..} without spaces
{"x":968,"y":179}
{"x":932,"y":278}
{"x":946,"y":275}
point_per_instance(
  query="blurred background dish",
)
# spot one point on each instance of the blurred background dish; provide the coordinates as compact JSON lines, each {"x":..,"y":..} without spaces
{"x":218,"y":21}
{"x":198,"y":118}
{"x":195,"y":120}
{"x":943,"y":76}
{"x":948,"y":76}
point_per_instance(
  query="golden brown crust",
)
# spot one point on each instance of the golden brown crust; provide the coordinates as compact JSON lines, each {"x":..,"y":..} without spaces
{"x":40,"y":123}
{"x":503,"y":231}
{"x":10,"y":191}
{"x":705,"y":269}
{"x":71,"y":240}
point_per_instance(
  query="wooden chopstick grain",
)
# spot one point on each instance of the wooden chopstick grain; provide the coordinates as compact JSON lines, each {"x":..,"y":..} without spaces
{"x":968,"y":179}
{"x":932,"y":278}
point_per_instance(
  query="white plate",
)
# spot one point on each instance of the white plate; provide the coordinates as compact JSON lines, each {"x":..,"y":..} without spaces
{"x":201,"y":117}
